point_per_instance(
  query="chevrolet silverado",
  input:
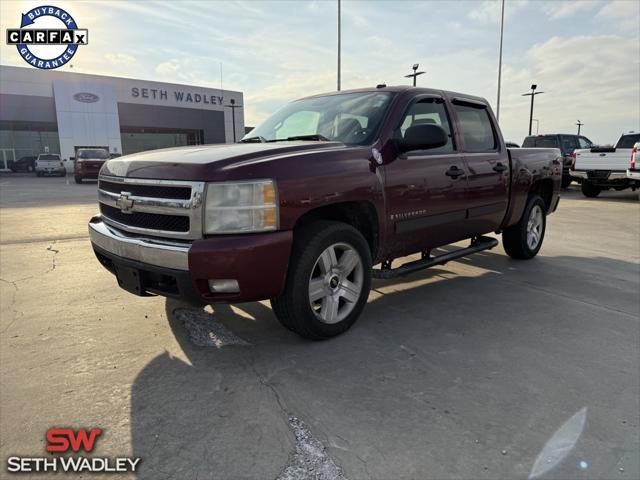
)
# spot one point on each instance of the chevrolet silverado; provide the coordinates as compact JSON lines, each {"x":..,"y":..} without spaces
{"x":325,"y":194}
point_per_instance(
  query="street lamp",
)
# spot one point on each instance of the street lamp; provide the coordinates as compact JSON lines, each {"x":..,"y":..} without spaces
{"x":579,"y":124}
{"x":415,"y":73}
{"x":532,"y":94}
{"x":537,"y":125}
{"x":233,"y":107}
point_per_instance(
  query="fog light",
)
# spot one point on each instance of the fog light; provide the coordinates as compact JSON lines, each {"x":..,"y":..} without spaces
{"x":224,"y":286}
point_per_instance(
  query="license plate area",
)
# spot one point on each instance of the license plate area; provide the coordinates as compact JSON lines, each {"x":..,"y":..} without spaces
{"x":130,"y":279}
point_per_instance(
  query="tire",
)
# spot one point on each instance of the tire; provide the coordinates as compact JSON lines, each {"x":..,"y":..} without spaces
{"x":38,"y":174}
{"x":312,"y":263}
{"x":519,"y":240}
{"x":566,"y":181}
{"x":590,"y":190}
{"x":78,"y":179}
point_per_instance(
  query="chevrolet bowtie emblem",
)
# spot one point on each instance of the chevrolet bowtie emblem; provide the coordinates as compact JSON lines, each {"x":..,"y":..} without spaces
{"x":124,"y":203}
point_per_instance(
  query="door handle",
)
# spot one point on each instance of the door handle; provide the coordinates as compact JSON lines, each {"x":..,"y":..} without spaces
{"x":499,"y":167}
{"x":454,"y":172}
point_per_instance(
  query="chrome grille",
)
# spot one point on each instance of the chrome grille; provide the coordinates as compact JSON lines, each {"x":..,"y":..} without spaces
{"x":160,"y":208}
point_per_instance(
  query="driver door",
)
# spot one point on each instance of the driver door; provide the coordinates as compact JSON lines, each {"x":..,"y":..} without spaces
{"x":425,"y":189}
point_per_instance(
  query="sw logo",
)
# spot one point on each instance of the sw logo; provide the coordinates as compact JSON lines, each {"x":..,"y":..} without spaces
{"x":65,"y":439}
{"x":68,"y":440}
{"x":49,"y":47}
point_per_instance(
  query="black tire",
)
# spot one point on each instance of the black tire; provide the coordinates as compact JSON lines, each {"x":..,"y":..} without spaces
{"x":590,"y":190}
{"x":78,"y":179}
{"x":293,"y":307}
{"x":514,"y":238}
{"x":566,"y":181}
{"x":38,"y":174}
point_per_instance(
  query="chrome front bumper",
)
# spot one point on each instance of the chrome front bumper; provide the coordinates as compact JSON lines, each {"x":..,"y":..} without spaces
{"x":160,"y":253}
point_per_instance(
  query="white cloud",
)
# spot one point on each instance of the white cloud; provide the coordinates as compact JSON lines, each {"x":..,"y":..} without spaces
{"x":120,"y":59}
{"x":489,"y":11}
{"x":557,"y":10}
{"x":625,"y":12}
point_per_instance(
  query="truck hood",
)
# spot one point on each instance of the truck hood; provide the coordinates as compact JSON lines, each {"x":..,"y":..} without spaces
{"x":208,"y":162}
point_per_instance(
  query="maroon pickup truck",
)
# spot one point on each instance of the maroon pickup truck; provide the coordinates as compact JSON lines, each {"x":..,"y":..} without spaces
{"x":322,"y":196}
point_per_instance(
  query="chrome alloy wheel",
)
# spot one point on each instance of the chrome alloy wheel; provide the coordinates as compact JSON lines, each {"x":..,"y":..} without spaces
{"x":534,"y":227}
{"x":336,"y":283}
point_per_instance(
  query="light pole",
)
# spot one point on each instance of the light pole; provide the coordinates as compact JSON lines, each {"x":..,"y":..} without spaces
{"x":579,"y":124}
{"x":537,"y":125}
{"x":500,"y":64}
{"x":532,"y":95}
{"x":339,"y":34}
{"x":415,"y":73}
{"x":233,"y":107}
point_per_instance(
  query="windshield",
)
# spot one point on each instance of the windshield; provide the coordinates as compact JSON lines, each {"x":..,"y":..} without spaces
{"x":48,"y":157}
{"x":101,"y":154}
{"x":541,"y":142}
{"x":351,"y":118}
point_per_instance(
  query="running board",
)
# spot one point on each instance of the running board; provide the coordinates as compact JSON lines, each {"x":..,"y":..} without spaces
{"x":477,"y":245}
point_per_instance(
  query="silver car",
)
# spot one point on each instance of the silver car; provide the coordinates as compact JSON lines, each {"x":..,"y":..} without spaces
{"x":49,"y":164}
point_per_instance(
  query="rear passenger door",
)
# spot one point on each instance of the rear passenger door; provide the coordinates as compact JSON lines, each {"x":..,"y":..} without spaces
{"x":487,"y":164}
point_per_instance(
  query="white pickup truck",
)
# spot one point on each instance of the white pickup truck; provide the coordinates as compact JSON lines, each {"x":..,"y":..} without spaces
{"x":603,"y":168}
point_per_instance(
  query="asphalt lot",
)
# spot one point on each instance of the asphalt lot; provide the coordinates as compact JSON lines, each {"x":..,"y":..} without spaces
{"x":463,"y":371}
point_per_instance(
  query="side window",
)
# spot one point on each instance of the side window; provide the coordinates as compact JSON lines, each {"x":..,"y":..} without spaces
{"x":476,"y":128}
{"x":430,"y":111}
{"x":584,"y":143}
{"x":568,"y":144}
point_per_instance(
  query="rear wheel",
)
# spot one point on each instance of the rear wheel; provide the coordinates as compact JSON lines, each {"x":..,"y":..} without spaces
{"x":524,"y":239}
{"x":78,"y":179}
{"x":38,"y":174}
{"x":589,"y":189}
{"x":328,"y":281}
{"x":566,"y":181}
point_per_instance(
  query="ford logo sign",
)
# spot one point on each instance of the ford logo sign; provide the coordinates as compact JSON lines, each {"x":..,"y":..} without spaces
{"x":86,"y":97}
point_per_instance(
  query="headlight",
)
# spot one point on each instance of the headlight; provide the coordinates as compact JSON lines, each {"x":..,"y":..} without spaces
{"x":241,"y":207}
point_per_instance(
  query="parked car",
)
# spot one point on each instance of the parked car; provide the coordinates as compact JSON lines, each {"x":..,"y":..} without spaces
{"x":311,"y":199}
{"x":604,"y":168}
{"x":23,"y":164}
{"x":633,"y":173}
{"x":50,"y":164}
{"x":567,"y":143}
{"x":88,"y":162}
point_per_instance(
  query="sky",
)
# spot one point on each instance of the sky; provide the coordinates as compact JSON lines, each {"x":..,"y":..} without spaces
{"x":585,"y":55}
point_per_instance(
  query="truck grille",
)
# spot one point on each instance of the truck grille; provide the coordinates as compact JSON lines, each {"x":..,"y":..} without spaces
{"x":151,"y":221}
{"x":161,"y":208}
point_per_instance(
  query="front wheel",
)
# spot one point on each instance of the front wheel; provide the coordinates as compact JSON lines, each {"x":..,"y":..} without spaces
{"x":328,"y":281}
{"x":590,"y":190}
{"x":524,"y":239}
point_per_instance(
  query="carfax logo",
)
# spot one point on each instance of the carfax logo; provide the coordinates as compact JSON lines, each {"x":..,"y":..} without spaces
{"x":48,"y":37}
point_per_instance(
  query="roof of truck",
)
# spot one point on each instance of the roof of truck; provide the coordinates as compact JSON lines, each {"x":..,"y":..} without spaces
{"x":401,"y":89}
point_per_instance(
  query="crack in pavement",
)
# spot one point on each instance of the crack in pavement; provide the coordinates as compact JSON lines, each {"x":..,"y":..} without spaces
{"x":309,"y":460}
{"x":53,"y":259}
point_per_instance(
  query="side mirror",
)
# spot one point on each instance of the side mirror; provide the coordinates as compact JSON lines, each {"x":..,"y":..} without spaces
{"x":422,"y":137}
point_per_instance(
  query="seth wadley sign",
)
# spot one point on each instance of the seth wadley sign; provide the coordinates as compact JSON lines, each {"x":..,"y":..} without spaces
{"x":178,"y":95}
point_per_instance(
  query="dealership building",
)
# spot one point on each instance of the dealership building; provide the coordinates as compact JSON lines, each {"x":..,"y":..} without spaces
{"x":45,"y":111}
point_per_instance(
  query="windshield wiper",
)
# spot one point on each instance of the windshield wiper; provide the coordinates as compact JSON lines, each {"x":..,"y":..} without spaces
{"x":316,"y":136}
{"x":257,"y":139}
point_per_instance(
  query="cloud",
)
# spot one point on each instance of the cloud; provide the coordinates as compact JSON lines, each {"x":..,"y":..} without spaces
{"x":122,"y":59}
{"x":489,"y":11}
{"x":565,"y":9}
{"x":626,"y":14}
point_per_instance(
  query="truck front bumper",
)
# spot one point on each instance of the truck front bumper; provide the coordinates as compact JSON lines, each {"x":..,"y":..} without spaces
{"x":146,"y":266}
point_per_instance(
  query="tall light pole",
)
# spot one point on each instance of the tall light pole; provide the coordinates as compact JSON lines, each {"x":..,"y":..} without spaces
{"x":500,"y":63}
{"x":579,"y":124}
{"x":233,"y":107}
{"x":532,"y":94}
{"x":415,"y":73}
{"x":537,"y":125}
{"x":339,"y":31}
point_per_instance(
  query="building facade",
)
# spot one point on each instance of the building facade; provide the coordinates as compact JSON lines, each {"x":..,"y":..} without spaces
{"x":44,"y":111}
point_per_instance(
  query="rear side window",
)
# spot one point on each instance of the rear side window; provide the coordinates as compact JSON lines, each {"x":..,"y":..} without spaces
{"x":568,"y":143}
{"x":48,"y":157}
{"x":628,"y":141}
{"x":476,"y":128}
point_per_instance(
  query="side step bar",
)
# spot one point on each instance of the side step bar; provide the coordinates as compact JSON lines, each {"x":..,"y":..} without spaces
{"x":478,"y":244}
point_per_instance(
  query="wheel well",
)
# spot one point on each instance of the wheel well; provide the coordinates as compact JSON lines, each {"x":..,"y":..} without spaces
{"x":360,"y":215}
{"x":544,"y":188}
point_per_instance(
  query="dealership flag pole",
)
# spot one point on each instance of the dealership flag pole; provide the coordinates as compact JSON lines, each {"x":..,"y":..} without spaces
{"x":500,"y":64}
{"x":339,"y":28}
